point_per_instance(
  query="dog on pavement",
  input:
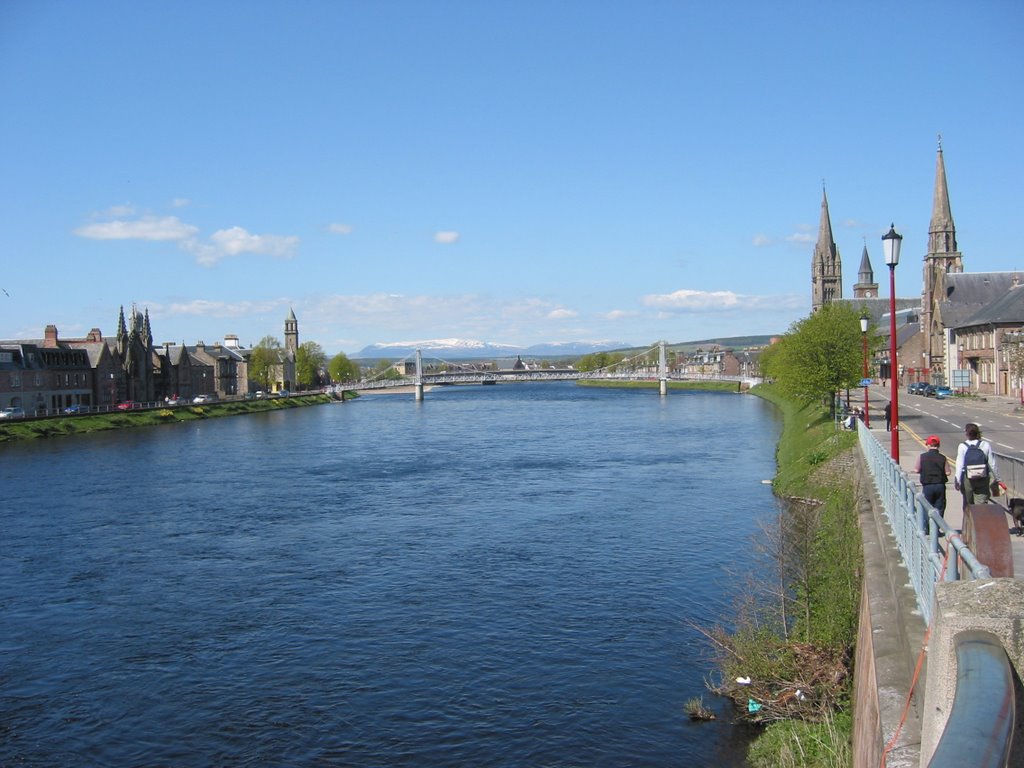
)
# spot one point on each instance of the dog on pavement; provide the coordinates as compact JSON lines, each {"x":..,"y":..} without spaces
{"x":1017,"y":513}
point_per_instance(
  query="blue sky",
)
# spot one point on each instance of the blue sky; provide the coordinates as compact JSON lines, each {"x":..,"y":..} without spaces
{"x":515,"y":172}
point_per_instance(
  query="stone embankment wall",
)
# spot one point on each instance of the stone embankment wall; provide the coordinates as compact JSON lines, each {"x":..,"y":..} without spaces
{"x":892,"y":635}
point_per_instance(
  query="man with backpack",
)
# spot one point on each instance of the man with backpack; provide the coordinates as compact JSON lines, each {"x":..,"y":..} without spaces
{"x":975,"y":474}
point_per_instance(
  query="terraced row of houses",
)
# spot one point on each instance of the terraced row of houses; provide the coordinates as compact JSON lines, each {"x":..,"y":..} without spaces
{"x":50,"y":374}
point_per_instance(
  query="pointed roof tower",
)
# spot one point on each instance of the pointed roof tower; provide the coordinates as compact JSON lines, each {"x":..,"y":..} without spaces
{"x":866,"y":287}
{"x":826,"y":264}
{"x":941,"y":231}
{"x":942,"y":259}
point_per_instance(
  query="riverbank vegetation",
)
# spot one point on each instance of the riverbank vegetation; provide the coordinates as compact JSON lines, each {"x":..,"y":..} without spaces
{"x":57,"y":426}
{"x":786,"y":661}
{"x":704,"y":386}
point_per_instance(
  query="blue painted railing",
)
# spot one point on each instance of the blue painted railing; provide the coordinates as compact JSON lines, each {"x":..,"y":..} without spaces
{"x":916,"y":526}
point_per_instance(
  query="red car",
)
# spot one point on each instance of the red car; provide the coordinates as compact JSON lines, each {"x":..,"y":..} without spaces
{"x":127,"y":405}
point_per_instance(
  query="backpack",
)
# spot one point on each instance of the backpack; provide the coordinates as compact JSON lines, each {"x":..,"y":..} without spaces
{"x":975,"y":462}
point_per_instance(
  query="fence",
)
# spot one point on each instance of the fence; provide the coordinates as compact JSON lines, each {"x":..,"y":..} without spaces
{"x":916,"y":525}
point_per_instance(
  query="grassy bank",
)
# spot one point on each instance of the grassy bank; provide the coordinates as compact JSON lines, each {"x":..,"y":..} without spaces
{"x":794,"y":634}
{"x":58,"y":426}
{"x":706,"y":386}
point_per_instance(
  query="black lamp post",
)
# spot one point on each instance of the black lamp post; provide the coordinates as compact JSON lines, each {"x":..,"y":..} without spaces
{"x":891,"y":242}
{"x":864,"y":338}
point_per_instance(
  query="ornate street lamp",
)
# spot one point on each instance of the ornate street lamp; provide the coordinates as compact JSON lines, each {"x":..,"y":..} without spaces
{"x":891,"y":242}
{"x":864,"y":338}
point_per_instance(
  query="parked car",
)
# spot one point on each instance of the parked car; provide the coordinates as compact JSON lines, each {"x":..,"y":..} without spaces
{"x":943,"y":392}
{"x":12,"y":413}
{"x":916,"y":387}
{"x":928,"y":390}
{"x":127,"y":405}
{"x":260,"y":394}
{"x":284,"y":393}
{"x":202,"y":399}
{"x":73,"y":409}
{"x":173,"y":400}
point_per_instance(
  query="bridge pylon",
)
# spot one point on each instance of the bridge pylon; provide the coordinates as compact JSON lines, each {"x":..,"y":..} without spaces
{"x":662,"y":370}
{"x":419,"y":375}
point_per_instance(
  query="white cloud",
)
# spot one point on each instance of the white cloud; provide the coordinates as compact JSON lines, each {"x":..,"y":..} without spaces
{"x":236,"y":240}
{"x":689,"y":301}
{"x":762,"y":240}
{"x":180,"y":202}
{"x":800,"y":238}
{"x":145,"y":228}
{"x":561,"y":314}
{"x":685,"y":300}
{"x":206,"y":308}
{"x":446,"y":237}
{"x":340,"y":229}
{"x":618,"y":314}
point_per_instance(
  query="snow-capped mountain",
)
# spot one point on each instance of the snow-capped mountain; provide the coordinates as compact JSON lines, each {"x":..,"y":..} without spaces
{"x":460,"y":349}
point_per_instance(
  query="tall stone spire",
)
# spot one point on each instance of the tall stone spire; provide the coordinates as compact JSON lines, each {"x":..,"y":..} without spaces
{"x":866,"y":287}
{"x":941,"y":232}
{"x":942,"y":259}
{"x":826,"y":265}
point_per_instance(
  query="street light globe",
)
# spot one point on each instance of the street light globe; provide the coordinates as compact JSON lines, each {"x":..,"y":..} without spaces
{"x":891,"y":242}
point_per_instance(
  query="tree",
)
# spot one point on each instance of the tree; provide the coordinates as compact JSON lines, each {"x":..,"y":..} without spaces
{"x":309,"y":361}
{"x":819,"y":356}
{"x":265,"y":361}
{"x":599,"y":360}
{"x":343,"y":369}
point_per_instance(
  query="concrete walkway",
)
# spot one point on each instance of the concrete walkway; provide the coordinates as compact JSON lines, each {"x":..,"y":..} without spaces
{"x":912,"y":445}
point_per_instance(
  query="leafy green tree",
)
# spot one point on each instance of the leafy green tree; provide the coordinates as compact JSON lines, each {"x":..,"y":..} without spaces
{"x":819,"y":356}
{"x":309,"y":361}
{"x":343,"y":369}
{"x":385,"y":369}
{"x":264,"y":361}
{"x":598,"y":360}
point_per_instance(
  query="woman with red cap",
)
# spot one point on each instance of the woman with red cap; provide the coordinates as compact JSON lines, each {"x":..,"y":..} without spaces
{"x":933,"y":468}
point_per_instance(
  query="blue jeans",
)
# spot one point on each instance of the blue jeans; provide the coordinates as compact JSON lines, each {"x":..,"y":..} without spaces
{"x":935,"y":494}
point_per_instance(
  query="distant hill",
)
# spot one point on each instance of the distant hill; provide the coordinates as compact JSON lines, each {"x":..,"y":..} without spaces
{"x":466,"y":349}
{"x":730,"y":342}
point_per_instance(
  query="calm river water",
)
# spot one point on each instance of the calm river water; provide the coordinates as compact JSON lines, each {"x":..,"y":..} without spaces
{"x":499,"y":576}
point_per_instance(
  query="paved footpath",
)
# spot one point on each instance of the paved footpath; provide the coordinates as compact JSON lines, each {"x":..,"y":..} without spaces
{"x":912,"y":445}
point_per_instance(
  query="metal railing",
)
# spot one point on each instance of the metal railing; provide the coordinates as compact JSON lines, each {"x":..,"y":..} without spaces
{"x":916,"y":525}
{"x":1011,"y":473}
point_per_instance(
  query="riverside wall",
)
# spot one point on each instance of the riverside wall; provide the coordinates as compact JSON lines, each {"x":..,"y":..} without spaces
{"x":905,"y":673}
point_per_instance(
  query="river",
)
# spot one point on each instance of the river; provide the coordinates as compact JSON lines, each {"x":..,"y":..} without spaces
{"x":498,"y":575}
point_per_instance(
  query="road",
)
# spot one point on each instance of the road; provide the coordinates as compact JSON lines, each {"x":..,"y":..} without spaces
{"x":1002,"y":423}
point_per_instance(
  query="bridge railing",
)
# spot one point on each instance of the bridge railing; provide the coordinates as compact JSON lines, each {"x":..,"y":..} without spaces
{"x":916,"y":525}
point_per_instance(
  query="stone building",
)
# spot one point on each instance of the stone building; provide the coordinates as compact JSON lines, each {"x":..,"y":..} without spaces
{"x":826,"y":263}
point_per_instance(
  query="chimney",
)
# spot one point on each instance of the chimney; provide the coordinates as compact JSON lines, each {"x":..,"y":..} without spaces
{"x":50,"y":342}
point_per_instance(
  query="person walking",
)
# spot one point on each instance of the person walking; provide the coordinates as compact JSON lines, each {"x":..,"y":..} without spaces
{"x":888,"y":417}
{"x":933,"y":467}
{"x":975,"y":473}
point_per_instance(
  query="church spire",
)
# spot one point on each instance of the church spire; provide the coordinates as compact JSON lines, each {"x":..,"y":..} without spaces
{"x":866,"y":287}
{"x":826,"y":265}
{"x":941,"y":232}
{"x":942,"y":259}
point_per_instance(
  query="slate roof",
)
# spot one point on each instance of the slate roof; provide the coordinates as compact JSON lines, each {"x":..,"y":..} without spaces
{"x":969,"y":293}
{"x":1006,"y":310}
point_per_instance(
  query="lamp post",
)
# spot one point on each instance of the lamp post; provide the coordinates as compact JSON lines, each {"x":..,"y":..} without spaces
{"x":864,"y":339}
{"x":891,"y":242}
